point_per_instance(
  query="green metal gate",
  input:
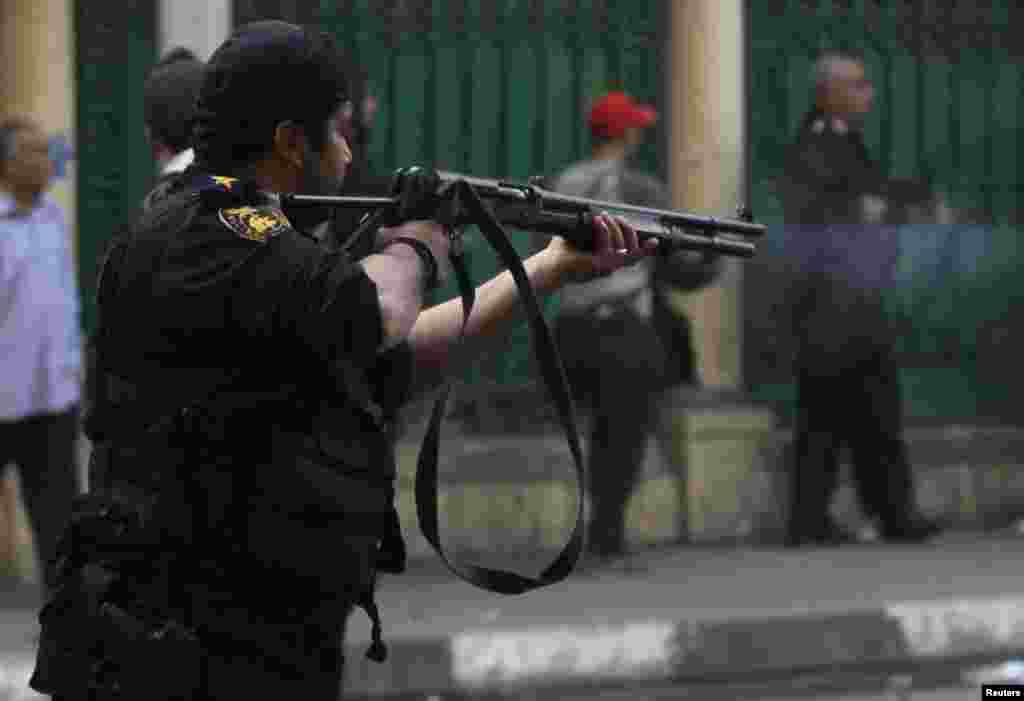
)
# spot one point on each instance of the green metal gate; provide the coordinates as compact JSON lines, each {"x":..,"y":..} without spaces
{"x":490,"y":88}
{"x":499,"y":89}
{"x":949,"y":99}
{"x":115,"y":44}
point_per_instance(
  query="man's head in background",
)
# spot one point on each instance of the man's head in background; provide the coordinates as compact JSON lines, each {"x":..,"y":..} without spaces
{"x":358,"y":117}
{"x":356,"y":124}
{"x":841,"y":86}
{"x":25,"y":164}
{"x":617,"y":124}
{"x":169,"y":102}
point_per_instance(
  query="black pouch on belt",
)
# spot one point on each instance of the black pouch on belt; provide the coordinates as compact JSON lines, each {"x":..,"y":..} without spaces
{"x":96,"y":636}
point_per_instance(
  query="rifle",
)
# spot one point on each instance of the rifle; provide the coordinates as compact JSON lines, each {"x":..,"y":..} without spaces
{"x":530,"y":207}
{"x":456,"y":200}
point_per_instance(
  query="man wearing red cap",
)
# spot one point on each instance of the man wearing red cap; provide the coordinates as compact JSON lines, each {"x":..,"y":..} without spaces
{"x":620,"y":340}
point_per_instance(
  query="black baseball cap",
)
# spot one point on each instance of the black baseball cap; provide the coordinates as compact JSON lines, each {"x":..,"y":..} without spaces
{"x":266,"y":73}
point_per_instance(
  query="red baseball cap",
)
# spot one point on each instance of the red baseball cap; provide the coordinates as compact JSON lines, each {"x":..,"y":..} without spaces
{"x":615,"y":112}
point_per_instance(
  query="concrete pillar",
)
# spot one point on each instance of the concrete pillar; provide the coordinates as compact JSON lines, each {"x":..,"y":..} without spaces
{"x":198,"y":25}
{"x":706,"y":103}
{"x":719,"y":443}
{"x":37,"y":52}
{"x":37,"y":49}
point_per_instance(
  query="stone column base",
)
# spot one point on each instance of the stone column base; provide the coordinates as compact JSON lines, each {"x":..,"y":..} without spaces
{"x":721,"y":449}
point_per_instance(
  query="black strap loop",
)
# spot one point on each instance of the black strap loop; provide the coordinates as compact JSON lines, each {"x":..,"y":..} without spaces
{"x":501,"y":581}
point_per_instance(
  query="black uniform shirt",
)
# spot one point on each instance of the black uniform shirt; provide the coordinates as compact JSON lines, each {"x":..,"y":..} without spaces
{"x":214,"y":281}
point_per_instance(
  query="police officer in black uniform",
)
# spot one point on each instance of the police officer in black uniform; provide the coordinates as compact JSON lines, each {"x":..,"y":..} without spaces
{"x":242,"y":479}
{"x":840,"y":211}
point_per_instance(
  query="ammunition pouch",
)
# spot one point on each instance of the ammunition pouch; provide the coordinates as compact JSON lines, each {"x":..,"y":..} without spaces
{"x":108,"y":627}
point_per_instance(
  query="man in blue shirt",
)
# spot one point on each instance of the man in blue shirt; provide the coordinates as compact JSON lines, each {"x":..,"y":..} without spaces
{"x":40,"y":343}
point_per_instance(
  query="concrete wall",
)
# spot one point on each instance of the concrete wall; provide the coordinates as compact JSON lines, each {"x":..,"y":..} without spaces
{"x":199,"y":25}
{"x":515,"y":497}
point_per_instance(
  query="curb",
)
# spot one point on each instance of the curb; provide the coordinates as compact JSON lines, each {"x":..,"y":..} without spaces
{"x":654,"y":651}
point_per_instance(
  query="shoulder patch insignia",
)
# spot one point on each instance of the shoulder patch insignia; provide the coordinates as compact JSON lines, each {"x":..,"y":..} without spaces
{"x":254,"y":223}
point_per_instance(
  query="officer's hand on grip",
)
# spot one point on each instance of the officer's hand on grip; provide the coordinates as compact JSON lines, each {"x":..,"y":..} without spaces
{"x":616,"y":245}
{"x":416,"y":189}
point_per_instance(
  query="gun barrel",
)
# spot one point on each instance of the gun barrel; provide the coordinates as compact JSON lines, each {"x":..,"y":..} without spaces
{"x":715,"y":243}
{"x":554,"y":200}
{"x":578,"y":228}
{"x":665,"y":216}
{"x":336,"y":201}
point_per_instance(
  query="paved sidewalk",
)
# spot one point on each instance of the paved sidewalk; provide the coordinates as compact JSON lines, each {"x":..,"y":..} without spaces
{"x":685,"y":614}
{"x":702,"y":613}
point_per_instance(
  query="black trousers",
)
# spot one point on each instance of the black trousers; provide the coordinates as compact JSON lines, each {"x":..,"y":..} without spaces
{"x":617,"y":367}
{"x":44,"y":449}
{"x":857,"y":405}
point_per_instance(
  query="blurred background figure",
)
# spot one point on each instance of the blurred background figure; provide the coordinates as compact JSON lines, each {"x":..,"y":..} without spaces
{"x":841,"y":213}
{"x":621,"y":343}
{"x":169,"y":97}
{"x":169,"y":103}
{"x":39,"y":333}
{"x":362,"y":178}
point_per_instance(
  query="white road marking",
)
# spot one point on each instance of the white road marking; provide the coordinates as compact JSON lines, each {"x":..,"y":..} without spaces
{"x":628,"y":650}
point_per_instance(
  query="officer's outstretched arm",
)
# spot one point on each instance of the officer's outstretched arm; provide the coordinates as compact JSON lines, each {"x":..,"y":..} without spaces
{"x":495,"y":309}
{"x":434,"y":336}
{"x":399,"y":275}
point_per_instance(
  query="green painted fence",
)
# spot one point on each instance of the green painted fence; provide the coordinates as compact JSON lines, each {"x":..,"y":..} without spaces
{"x":490,"y":88}
{"x":949,"y":101}
{"x":499,"y":89}
{"x":115,"y":44}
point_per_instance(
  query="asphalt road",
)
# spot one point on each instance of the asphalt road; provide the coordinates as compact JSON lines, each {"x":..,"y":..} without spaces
{"x":893,"y":693}
{"x":968,"y":694}
{"x":934,"y":683}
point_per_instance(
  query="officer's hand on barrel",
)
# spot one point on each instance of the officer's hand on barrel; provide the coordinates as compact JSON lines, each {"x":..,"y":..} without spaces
{"x":616,"y":245}
{"x":429,"y":233}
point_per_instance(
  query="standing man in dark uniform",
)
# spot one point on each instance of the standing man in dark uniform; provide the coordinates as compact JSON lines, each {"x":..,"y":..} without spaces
{"x":169,"y":97}
{"x":242,"y":473}
{"x":844,"y":254}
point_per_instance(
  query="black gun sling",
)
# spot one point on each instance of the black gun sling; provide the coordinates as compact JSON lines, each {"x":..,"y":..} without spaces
{"x":553,"y":372}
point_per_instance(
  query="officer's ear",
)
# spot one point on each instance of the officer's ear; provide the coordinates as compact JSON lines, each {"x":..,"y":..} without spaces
{"x":290,"y":143}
